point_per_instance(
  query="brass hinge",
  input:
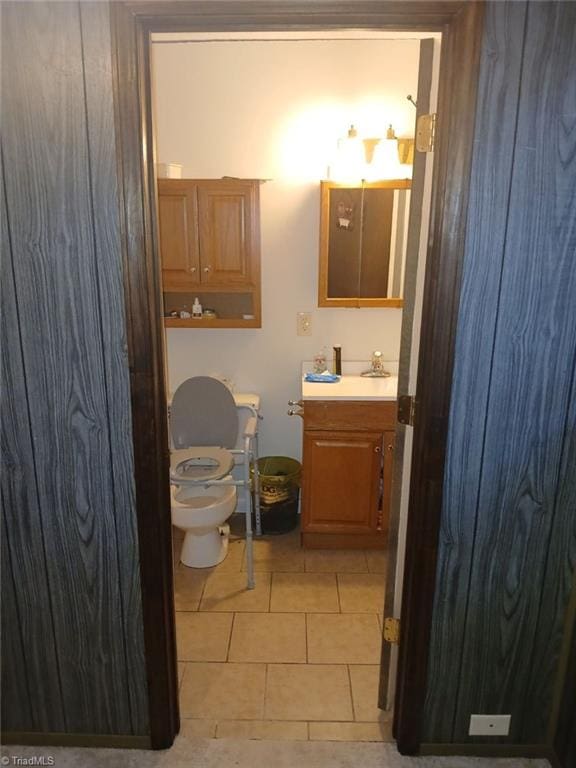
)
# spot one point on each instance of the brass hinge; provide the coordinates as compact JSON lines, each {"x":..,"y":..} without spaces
{"x":426,"y":133}
{"x":406,"y":410}
{"x":392,"y":631}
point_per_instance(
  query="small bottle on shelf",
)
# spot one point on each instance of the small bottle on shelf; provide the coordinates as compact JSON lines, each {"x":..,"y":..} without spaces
{"x":196,"y":308}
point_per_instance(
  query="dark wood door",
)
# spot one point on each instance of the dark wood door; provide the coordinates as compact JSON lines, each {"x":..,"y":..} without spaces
{"x":226,"y":225}
{"x":341,"y":481}
{"x":178,"y":225}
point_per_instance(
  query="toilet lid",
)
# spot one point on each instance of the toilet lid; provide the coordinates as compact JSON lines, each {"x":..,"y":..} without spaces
{"x":200,"y":464}
{"x":203,"y":412}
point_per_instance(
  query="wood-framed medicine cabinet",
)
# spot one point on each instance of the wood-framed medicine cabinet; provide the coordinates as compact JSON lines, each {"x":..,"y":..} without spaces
{"x":363,"y":229}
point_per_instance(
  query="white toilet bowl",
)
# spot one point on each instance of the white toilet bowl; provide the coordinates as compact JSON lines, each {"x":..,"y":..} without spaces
{"x":201,"y":512}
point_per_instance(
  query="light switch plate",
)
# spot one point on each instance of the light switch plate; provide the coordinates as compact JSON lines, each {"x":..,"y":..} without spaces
{"x":489,"y":725}
{"x":304,"y":324}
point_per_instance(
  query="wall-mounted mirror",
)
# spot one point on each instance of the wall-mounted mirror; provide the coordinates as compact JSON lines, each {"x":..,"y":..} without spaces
{"x":363,"y":232}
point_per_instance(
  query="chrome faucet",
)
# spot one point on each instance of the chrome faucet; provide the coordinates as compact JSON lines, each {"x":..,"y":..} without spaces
{"x":377,"y":366}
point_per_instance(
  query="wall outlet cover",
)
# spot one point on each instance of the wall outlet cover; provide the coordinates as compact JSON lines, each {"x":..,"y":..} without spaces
{"x":304,"y":323}
{"x":489,"y":725}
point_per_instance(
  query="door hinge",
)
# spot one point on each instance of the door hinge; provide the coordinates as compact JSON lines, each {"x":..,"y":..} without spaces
{"x":392,"y":631}
{"x":426,"y":133}
{"x":406,"y":410}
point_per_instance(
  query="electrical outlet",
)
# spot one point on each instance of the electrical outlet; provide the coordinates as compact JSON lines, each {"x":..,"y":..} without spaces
{"x":489,"y":725}
{"x":304,"y":324}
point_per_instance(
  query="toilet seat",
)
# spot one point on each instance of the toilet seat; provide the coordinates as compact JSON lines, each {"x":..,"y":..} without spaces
{"x":200,"y":463}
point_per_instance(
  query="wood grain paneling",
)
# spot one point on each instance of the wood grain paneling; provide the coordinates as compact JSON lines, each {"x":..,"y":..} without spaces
{"x":29,"y":657}
{"x":564,"y":730}
{"x":95,"y":27}
{"x":58,"y":145}
{"x":532,"y":359}
{"x":489,"y":194}
{"x":508,"y":547}
{"x":16,"y":700}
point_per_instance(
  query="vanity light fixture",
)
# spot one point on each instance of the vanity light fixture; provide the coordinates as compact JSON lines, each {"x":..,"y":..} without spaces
{"x":385,"y":161}
{"x":349,"y":164}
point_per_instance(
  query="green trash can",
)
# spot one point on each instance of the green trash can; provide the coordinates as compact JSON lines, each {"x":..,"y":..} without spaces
{"x":279,"y":493}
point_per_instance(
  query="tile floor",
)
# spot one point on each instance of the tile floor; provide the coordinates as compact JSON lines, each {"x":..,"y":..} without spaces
{"x":297,"y":658}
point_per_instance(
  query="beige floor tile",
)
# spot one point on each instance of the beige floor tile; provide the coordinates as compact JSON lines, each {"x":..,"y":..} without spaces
{"x":232,"y":563}
{"x":270,"y":637}
{"x":197,"y":729}
{"x":203,"y":636}
{"x":228,"y":592}
{"x":277,"y":554}
{"x":335,"y":561}
{"x":181,"y":670}
{"x":377,"y":560}
{"x":343,"y":638}
{"x":365,"y":679}
{"x":361,"y":592}
{"x":351,"y":732}
{"x":262,"y":729}
{"x":223,"y":691}
{"x":304,"y":593}
{"x":188,"y":587}
{"x":308,"y":692}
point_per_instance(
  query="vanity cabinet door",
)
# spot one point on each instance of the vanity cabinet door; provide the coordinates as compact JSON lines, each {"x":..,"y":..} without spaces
{"x":178,"y":225}
{"x":227,"y":224}
{"x":341,"y":484}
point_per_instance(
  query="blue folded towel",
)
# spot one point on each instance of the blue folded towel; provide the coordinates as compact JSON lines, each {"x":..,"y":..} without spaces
{"x":322,"y":378}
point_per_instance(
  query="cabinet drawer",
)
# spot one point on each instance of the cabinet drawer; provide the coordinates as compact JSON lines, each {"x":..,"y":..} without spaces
{"x":349,"y":415}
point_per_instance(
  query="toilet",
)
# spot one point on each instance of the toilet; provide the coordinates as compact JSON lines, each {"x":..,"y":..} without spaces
{"x":201,"y":513}
{"x":204,"y":427}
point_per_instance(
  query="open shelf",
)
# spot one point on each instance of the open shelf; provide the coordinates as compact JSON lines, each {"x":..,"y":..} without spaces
{"x":229,"y":307}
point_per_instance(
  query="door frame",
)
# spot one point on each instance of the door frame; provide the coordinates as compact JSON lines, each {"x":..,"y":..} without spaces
{"x":461,"y":23}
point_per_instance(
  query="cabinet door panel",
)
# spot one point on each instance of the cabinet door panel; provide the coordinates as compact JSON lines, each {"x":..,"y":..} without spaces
{"x":178,"y":238}
{"x":225,"y":227}
{"x":341,"y":490}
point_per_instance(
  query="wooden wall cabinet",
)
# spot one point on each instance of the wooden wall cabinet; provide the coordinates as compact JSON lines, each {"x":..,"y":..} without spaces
{"x":347,"y":473}
{"x":209,"y":232}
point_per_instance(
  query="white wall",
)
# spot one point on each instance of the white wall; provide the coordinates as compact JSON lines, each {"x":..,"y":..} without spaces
{"x":274,"y":110}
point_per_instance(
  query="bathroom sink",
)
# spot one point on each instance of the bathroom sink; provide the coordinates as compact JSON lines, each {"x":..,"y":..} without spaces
{"x":352,"y":387}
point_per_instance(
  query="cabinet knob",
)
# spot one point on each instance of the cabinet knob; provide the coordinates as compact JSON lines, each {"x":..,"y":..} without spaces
{"x":207,"y":269}
{"x":192,"y":269}
{"x":377,"y":449}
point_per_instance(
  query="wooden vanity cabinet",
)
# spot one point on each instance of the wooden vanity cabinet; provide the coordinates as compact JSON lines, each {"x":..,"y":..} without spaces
{"x":347,"y":473}
{"x":209,"y":234}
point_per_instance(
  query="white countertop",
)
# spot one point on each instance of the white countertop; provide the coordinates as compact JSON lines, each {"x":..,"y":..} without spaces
{"x":352,"y":386}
